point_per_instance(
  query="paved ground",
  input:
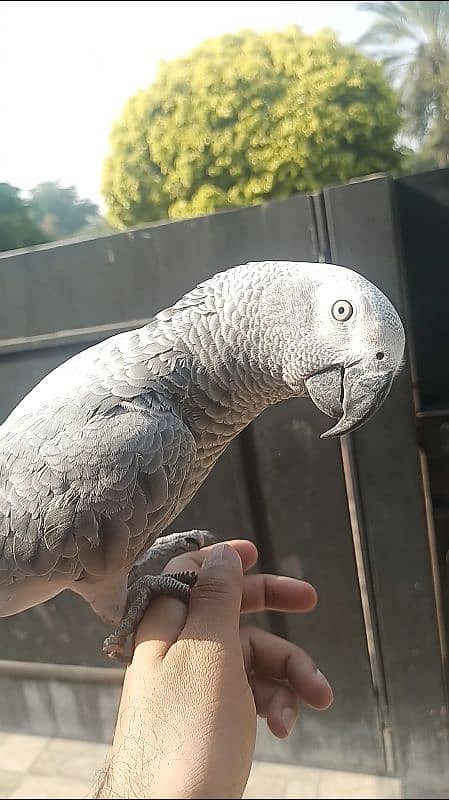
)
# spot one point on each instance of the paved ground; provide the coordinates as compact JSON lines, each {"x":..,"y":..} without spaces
{"x":36,"y":767}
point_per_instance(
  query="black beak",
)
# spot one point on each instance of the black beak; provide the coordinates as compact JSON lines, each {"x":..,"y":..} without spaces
{"x":348,"y":394}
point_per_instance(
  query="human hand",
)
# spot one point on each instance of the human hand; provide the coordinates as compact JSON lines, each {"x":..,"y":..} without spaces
{"x":187,"y":720}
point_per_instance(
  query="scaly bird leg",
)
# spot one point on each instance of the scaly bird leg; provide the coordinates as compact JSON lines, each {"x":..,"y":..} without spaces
{"x":140,"y":595}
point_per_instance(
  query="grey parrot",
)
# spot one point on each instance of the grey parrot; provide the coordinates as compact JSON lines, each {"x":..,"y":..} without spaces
{"x":103,"y":454}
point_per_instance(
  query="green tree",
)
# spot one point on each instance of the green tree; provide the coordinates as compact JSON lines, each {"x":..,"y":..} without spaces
{"x":59,"y":211}
{"x":248,"y":117}
{"x":412,"y":39}
{"x":17,"y":228}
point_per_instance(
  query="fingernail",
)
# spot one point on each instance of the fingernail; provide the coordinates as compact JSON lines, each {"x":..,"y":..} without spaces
{"x":216,"y":554}
{"x":289,"y":719}
{"x":322,"y":679}
{"x":325,"y":685}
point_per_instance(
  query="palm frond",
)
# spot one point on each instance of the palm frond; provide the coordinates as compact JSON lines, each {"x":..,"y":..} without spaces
{"x":391,"y":24}
{"x":420,"y":67}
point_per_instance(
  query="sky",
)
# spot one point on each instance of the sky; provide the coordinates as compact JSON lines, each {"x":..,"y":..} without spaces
{"x":67,"y":68}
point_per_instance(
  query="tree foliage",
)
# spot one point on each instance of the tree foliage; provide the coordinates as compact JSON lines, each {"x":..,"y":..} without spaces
{"x":244,"y":118}
{"x":412,"y":39}
{"x":17,"y":228}
{"x":58,"y":210}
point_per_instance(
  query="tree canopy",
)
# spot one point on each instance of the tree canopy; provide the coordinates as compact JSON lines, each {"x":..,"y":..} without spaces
{"x":412,"y":39}
{"x":17,"y":228}
{"x":58,"y":210}
{"x":52,"y":212}
{"x":248,"y":117}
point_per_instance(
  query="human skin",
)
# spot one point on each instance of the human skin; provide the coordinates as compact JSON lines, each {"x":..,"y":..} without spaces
{"x":186,"y":725}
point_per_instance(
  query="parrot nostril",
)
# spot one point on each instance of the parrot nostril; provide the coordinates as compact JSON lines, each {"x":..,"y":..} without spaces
{"x":380,"y":355}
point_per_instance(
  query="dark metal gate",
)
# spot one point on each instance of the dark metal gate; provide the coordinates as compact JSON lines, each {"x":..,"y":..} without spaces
{"x":354,"y":520}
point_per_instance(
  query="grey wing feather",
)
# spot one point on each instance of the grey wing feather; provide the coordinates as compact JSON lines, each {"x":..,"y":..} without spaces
{"x":84,"y":493}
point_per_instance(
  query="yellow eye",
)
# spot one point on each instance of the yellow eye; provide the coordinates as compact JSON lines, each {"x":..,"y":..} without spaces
{"x":342,"y":310}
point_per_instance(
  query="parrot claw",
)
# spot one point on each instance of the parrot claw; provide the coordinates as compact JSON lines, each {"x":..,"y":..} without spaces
{"x":153,"y":561}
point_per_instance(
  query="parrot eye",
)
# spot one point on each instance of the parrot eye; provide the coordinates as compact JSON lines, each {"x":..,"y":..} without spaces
{"x":342,"y":310}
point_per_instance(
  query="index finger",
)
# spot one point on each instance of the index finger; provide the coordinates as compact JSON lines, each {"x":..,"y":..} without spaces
{"x":194,"y":559}
{"x":277,"y":593}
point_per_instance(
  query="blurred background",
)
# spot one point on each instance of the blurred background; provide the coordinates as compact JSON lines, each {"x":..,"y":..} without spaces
{"x":127,"y":129}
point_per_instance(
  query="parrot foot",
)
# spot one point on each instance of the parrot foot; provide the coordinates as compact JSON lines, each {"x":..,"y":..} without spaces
{"x":140,"y":595}
{"x":153,"y":561}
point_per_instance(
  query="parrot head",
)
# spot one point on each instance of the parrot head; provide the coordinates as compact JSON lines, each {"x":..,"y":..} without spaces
{"x":361,"y":343}
{"x":342,"y":340}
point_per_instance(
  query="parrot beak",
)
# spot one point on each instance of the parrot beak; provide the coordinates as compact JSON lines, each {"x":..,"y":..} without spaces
{"x":348,"y":394}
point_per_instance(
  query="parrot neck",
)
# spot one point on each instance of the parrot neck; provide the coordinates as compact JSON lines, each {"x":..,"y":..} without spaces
{"x":226,"y":364}
{"x":230,"y":394}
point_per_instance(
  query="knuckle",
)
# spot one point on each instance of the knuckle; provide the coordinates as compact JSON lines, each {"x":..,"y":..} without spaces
{"x":268,"y":593}
{"x":215,"y":590}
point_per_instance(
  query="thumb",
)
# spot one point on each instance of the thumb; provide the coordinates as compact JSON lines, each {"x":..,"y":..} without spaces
{"x":215,"y":600}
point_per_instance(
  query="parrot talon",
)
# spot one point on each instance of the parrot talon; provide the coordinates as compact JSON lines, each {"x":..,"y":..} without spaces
{"x":113,"y":648}
{"x":191,"y":540}
{"x":153,"y":561}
